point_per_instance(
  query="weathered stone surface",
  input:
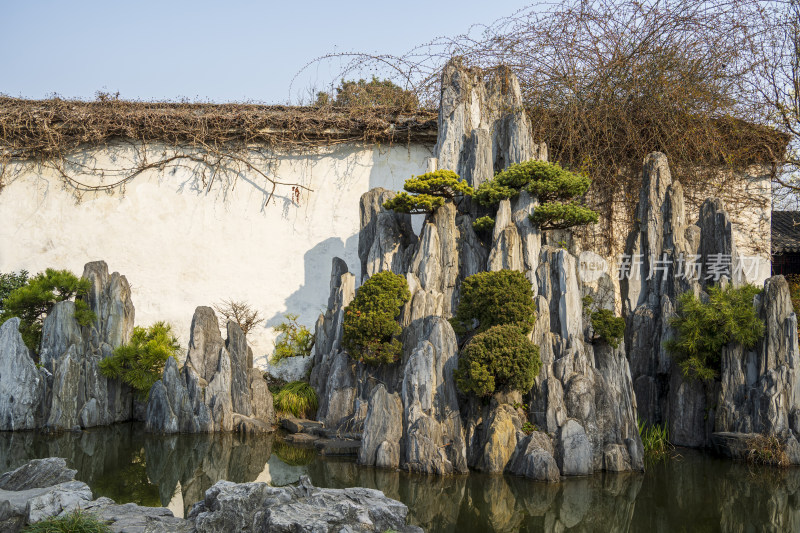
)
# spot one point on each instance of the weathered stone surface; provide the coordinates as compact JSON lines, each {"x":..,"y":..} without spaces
{"x":37,"y":474}
{"x":45,"y":488}
{"x":573,"y":450}
{"x":507,"y":251}
{"x":383,"y":429}
{"x":21,"y":385}
{"x":235,"y":399}
{"x":435,"y":260}
{"x":500,"y":439}
{"x":434,"y":436}
{"x":205,"y":343}
{"x":386,"y":237}
{"x":482,"y":124}
{"x":533,"y":458}
{"x":258,"y":507}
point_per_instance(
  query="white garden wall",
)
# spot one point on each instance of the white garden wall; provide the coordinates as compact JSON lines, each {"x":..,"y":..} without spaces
{"x":181,"y":245}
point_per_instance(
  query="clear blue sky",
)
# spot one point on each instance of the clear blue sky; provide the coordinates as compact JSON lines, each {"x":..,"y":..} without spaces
{"x":219,"y":51}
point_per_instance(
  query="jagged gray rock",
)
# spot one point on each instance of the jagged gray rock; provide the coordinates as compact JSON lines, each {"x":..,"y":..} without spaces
{"x":482,"y":125}
{"x":234,"y":398}
{"x":21,"y":384}
{"x":386,"y":238}
{"x":258,"y":507}
{"x":383,"y":430}
{"x":533,"y":458}
{"x":77,"y":392}
{"x":46,"y":488}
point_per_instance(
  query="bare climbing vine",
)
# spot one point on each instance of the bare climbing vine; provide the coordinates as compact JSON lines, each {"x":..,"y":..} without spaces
{"x":214,"y":141}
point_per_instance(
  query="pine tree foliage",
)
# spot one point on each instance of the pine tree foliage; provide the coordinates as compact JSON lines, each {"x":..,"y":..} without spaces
{"x":294,"y":340}
{"x":31,"y":302}
{"x":495,"y":298}
{"x":428,"y":192}
{"x":140,"y":363}
{"x":559,"y":191}
{"x":501,"y":358}
{"x":703,"y":328}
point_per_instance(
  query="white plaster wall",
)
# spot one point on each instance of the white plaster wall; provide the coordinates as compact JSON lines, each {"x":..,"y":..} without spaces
{"x":181,"y":245}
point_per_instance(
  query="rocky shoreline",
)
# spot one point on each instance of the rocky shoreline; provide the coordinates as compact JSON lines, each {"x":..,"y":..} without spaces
{"x":45,"y":488}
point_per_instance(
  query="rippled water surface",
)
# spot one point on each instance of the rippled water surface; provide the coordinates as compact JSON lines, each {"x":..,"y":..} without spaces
{"x":693,"y":492}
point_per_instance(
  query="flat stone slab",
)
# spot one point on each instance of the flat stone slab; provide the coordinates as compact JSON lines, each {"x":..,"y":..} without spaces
{"x":337,"y":446}
{"x":301,"y":438}
{"x":300,"y":425}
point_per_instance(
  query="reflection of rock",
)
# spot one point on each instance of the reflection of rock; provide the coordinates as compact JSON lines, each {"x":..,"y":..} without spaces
{"x":217,"y":389}
{"x":43,"y":489}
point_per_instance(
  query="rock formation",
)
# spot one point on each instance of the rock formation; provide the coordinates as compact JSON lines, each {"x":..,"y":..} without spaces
{"x":45,"y":488}
{"x":410,"y":414}
{"x":68,"y":391}
{"x":757,"y":390}
{"x":216,"y":390}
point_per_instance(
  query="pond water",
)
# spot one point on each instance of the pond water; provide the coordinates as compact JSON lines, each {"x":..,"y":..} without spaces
{"x":692,"y":492}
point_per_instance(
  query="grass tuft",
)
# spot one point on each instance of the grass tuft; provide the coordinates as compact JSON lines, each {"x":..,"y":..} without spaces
{"x":74,"y":522}
{"x":297,"y":398}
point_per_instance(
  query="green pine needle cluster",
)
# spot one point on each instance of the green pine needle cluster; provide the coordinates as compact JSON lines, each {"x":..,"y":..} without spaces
{"x":499,"y":359}
{"x":75,"y":522}
{"x":428,"y":192}
{"x":297,"y":398}
{"x":558,"y":215}
{"x":32,"y":301}
{"x":294,"y":340}
{"x":607,"y":327}
{"x":483,"y":224}
{"x":557,"y":189}
{"x":370,"y":324}
{"x":703,"y":328}
{"x":493,"y":298}
{"x":9,"y":282}
{"x":140,"y":363}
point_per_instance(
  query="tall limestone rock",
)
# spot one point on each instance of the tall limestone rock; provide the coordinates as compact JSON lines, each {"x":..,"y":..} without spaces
{"x":410,"y":413}
{"x":216,"y":390}
{"x":22,"y":385}
{"x":757,"y":390}
{"x":78,"y":394}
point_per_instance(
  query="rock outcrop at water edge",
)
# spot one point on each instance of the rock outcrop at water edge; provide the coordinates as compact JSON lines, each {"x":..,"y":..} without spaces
{"x":216,"y":390}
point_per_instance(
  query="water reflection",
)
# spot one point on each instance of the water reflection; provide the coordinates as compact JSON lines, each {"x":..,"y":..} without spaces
{"x":693,"y":493}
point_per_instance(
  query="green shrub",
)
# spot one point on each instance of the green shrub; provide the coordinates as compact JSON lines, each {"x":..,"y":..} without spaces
{"x":74,"y":522}
{"x":607,"y":327}
{"x":499,"y":359}
{"x":295,"y":340}
{"x":702,"y":329}
{"x":556,"y":188}
{"x":494,"y":298}
{"x":373,"y":93}
{"x":11,"y":282}
{"x":370,"y":321}
{"x":140,"y":363}
{"x":483,"y":224}
{"x":429,"y":191}
{"x":297,"y":398}
{"x":557,"y":215}
{"x":655,"y":440}
{"x":32,"y":301}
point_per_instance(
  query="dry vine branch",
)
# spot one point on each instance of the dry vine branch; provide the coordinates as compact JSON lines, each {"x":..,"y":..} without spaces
{"x":222,"y":139}
{"x":606,"y":82}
